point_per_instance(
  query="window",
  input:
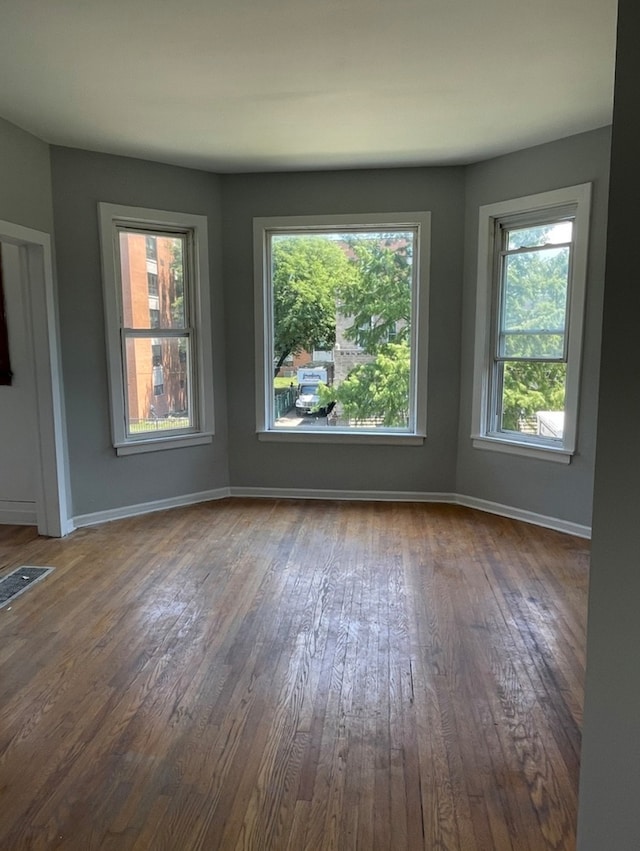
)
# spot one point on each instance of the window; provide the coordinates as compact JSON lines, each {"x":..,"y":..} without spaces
{"x":341,"y":327}
{"x":159,"y":343}
{"x":362,"y":333}
{"x":150,"y":248}
{"x":532,"y":257}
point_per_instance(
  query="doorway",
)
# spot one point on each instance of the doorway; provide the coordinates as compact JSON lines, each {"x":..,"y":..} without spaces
{"x":37,"y":472}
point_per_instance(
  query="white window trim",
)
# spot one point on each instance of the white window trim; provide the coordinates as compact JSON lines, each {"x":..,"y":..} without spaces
{"x":109,"y":215}
{"x":533,"y":447}
{"x":419,"y":343}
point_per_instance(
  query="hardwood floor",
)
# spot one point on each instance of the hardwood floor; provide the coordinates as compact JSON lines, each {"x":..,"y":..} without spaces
{"x":294,"y":676}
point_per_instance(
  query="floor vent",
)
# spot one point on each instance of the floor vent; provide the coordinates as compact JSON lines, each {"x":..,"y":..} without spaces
{"x":19,"y":580}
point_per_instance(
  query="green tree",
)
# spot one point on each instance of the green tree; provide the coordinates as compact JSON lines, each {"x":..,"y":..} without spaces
{"x":306,"y":273}
{"x":377,"y":300}
{"x":378,"y":389}
{"x":531,"y":387}
{"x":176,"y":269}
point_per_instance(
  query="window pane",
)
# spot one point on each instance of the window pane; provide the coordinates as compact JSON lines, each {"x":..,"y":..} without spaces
{"x":346,"y":296}
{"x":549,"y":234}
{"x":533,"y":397}
{"x":526,"y":345}
{"x":534,"y":304}
{"x":157,"y":380}
{"x":152,"y":279}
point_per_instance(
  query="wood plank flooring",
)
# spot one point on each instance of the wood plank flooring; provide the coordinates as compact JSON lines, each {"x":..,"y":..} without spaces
{"x":294,"y":676}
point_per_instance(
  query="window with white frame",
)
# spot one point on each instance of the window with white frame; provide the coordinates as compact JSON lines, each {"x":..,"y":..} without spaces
{"x":353,"y":288}
{"x":532,"y":258}
{"x":157,"y":311}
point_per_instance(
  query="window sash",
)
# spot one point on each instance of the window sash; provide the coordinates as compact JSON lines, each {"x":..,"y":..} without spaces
{"x":186,"y":235}
{"x":500,"y":357}
{"x":171,"y":426}
{"x":497,"y":422}
{"x":502,"y":334}
{"x":156,"y":332}
{"x":524,"y":358}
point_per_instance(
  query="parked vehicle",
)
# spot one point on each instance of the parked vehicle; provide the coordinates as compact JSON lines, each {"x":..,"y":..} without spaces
{"x":309,"y":378}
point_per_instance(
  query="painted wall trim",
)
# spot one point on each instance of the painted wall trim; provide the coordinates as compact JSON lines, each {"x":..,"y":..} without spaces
{"x":555,"y":523}
{"x":147,"y":507}
{"x":363,"y":496}
{"x":18,"y":513}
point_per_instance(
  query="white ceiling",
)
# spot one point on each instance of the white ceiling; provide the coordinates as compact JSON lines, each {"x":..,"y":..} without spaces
{"x":261,"y":85}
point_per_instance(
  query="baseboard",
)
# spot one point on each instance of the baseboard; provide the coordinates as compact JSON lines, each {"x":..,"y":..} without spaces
{"x":556,"y":523}
{"x":355,"y":495}
{"x":147,"y":507}
{"x":17,"y":513}
{"x":68,"y":526}
{"x":313,"y":493}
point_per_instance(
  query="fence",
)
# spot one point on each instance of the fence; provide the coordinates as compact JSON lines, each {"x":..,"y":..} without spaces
{"x":158,"y":424}
{"x":284,"y":400}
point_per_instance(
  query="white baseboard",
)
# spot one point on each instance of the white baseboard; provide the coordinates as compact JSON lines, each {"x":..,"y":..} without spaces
{"x":556,"y":523}
{"x":362,"y":496}
{"x":67,"y":527}
{"x":146,"y":507}
{"x":313,"y":493}
{"x":18,"y":513}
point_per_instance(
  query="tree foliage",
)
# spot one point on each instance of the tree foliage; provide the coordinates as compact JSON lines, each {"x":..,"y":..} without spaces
{"x":176,"y":269}
{"x":367,"y":278}
{"x":530,"y":387}
{"x":306,"y":273}
{"x":377,"y":300}
{"x":378,"y":389}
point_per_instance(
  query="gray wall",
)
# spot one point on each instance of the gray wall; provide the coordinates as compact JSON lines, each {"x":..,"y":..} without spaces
{"x":430,"y":467}
{"x":25,"y":179}
{"x":99,"y":479}
{"x":544,"y":487}
{"x":609,"y":815}
{"x":25,"y":199}
{"x":445,"y":463}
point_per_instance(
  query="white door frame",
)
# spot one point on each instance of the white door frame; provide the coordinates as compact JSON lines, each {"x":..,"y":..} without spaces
{"x":51,"y":473}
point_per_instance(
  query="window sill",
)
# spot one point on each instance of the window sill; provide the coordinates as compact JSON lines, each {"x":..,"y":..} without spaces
{"x":337,"y":436}
{"x":528,"y":450}
{"x":155,"y":444}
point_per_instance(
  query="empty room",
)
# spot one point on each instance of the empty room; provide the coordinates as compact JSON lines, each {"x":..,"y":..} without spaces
{"x":318,"y":469}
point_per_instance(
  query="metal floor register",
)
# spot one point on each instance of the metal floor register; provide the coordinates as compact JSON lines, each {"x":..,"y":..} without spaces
{"x":19,"y":580}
